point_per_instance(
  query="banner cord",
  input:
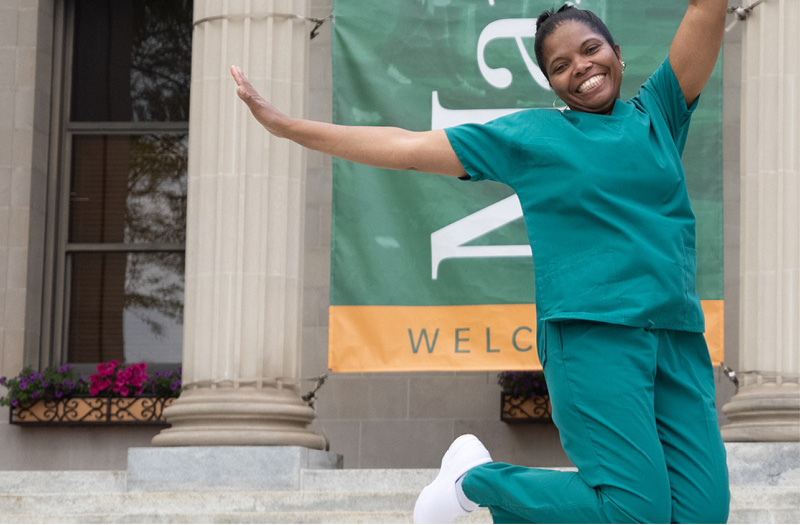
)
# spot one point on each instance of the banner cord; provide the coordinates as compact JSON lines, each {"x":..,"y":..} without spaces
{"x":731,"y":374}
{"x":311,"y":396}
{"x":741,"y":13}
{"x":314,"y":32}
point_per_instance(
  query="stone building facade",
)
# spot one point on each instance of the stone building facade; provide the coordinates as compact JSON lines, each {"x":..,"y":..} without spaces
{"x":395,"y":420}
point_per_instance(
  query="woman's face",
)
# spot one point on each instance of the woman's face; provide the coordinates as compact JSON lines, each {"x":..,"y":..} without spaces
{"x":585,"y":71}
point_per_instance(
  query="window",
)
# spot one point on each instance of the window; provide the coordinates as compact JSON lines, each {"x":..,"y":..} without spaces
{"x":120,"y":230}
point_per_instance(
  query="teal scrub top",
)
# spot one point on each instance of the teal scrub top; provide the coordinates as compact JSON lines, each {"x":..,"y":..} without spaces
{"x":605,"y":205}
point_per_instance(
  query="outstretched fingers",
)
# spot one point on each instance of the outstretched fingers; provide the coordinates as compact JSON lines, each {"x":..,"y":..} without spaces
{"x":263,"y":111}
{"x":245,"y":90}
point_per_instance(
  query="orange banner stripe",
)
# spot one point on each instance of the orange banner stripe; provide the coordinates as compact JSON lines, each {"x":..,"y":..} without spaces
{"x":453,"y":338}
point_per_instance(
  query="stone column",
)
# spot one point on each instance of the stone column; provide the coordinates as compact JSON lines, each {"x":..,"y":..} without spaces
{"x":767,"y":407}
{"x":244,"y":259}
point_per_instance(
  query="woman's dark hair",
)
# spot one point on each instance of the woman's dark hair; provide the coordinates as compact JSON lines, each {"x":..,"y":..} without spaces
{"x":549,"y":20}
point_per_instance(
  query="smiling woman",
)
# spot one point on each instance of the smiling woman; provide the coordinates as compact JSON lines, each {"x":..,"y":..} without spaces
{"x":612,"y":233}
{"x":577,"y":54}
{"x":585,"y":71}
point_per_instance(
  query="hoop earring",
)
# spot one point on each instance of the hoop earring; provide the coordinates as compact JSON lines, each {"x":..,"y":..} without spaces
{"x":623,"y":65}
{"x":554,"y":102}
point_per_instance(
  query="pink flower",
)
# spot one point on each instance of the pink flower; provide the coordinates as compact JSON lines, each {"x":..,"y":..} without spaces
{"x":98,"y":384}
{"x":107,"y":369}
{"x":121,"y":381}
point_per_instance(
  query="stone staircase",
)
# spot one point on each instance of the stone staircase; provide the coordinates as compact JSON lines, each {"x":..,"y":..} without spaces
{"x":324,"y":496}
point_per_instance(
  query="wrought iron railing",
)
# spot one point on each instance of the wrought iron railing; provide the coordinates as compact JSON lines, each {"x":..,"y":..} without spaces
{"x":88,"y":411}
{"x":525,"y":409}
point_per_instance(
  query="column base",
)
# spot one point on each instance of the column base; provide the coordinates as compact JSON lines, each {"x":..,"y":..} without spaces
{"x":244,"y":416}
{"x":766,"y":412}
{"x":223,"y":469}
{"x":764,"y":464}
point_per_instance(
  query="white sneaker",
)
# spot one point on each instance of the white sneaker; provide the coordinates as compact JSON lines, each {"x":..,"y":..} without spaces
{"x":438,"y":502}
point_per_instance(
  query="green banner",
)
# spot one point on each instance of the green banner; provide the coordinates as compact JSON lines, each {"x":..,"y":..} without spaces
{"x":419,"y":240}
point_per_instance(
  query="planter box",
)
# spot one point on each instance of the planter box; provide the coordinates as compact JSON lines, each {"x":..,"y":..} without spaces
{"x":525,"y":409}
{"x":92,"y":411}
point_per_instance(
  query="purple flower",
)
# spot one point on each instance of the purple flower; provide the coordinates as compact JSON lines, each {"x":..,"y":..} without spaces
{"x":45,"y":384}
{"x":64,"y":369}
{"x":35,"y":394}
{"x":176,"y":385}
{"x":14,"y":402}
{"x":23,"y":385}
{"x":59,"y":394}
{"x":2,"y":380}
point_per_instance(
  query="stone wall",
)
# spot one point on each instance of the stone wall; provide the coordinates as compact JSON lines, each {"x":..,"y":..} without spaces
{"x":374,"y":420}
{"x":26,"y":33}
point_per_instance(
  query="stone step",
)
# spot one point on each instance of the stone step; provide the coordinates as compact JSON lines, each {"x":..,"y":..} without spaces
{"x":56,"y":482}
{"x":743,"y":498}
{"x":371,"y":480}
{"x":255,"y":517}
{"x":325,"y":496}
{"x":765,"y":504}
{"x":366,"y":480}
{"x":480,"y":516}
{"x":65,"y":504}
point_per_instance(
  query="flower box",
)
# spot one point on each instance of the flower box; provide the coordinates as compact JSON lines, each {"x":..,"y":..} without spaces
{"x":536,"y":409}
{"x":116,"y":395}
{"x":91,"y":411}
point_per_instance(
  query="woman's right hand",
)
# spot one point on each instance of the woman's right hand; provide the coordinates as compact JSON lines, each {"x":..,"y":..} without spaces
{"x":383,"y":147}
{"x":265,"y":113}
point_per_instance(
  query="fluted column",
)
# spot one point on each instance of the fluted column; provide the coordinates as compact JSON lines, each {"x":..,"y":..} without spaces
{"x":767,"y":407}
{"x":244,"y":264}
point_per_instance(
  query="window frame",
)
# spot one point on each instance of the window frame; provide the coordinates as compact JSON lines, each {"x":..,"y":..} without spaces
{"x":56,"y":286}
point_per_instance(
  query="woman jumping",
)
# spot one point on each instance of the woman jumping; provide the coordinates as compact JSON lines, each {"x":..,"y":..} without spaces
{"x":612,"y":232}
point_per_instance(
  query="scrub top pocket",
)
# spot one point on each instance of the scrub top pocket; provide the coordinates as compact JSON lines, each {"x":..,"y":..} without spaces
{"x":579,"y":284}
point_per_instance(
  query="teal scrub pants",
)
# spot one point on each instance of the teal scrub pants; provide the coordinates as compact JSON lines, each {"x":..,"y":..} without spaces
{"x":635,"y":411}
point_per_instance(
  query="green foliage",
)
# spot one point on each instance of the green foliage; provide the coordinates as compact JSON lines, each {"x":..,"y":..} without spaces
{"x":51,"y":384}
{"x":527,"y":384}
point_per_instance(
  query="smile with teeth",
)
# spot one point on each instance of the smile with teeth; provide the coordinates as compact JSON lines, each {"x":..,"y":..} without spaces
{"x":592,"y":82}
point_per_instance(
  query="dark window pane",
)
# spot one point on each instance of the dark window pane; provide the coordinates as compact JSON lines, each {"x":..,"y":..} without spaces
{"x":126,"y":307}
{"x":131,"y":60}
{"x":128,"y":189}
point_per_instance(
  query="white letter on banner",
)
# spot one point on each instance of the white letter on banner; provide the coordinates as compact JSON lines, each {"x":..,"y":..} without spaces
{"x":516,"y":28}
{"x":447,"y":243}
{"x":446,"y":118}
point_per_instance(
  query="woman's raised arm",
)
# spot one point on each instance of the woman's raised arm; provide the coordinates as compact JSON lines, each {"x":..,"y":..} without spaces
{"x":696,"y":45}
{"x":382,"y":147}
